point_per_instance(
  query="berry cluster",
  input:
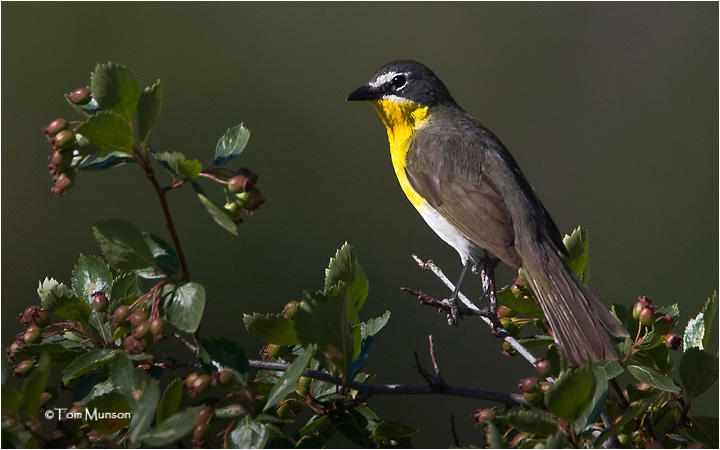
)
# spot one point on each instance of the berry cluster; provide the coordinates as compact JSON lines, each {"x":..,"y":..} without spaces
{"x":662,"y":325}
{"x":35,"y":320}
{"x":141,"y":331}
{"x":242,"y":194}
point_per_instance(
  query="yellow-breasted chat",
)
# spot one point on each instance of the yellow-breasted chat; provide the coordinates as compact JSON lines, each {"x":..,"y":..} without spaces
{"x":471,"y":192}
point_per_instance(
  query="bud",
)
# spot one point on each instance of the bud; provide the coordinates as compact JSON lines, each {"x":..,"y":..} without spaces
{"x":249,"y":200}
{"x":507,"y":348}
{"x":79,"y":96}
{"x":100,"y":301}
{"x":647,"y":316}
{"x":484,"y":416}
{"x":663,"y":324}
{"x":673,"y":341}
{"x":55,"y":127}
{"x":33,"y":333}
{"x":543,"y":367}
{"x":137,"y":317}
{"x":120,"y":314}
{"x":290,"y":309}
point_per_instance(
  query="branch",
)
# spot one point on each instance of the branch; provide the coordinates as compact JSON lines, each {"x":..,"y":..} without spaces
{"x":469,"y":309}
{"x":390,"y":389}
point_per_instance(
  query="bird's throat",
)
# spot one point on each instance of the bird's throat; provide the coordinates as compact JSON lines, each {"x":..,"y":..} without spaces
{"x":402,"y":119}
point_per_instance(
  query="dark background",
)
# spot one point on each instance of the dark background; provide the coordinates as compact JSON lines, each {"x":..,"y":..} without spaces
{"x":610,"y":109}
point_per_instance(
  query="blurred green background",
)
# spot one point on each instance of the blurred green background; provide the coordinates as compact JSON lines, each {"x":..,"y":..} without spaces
{"x":610,"y":109}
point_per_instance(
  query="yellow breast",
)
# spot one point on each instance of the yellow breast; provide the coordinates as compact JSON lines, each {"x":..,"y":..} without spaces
{"x":402,"y":119}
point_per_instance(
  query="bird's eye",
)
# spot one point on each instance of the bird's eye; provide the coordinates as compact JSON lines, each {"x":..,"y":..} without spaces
{"x":398,"y":81}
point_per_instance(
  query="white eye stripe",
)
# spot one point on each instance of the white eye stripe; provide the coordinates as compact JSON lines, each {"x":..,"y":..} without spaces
{"x":384,"y":78}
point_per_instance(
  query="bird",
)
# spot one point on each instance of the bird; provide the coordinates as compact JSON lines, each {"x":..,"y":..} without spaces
{"x":470,"y":190}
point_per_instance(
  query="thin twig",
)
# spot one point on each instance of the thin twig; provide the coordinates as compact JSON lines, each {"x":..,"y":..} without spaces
{"x":407,"y":389}
{"x":456,"y":441}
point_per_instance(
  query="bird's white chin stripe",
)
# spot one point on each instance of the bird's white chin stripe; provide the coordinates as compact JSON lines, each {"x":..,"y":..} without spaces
{"x":382,"y":79}
{"x":448,"y":233}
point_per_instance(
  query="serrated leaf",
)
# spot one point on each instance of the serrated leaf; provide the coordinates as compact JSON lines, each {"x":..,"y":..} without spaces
{"x":697,"y":331}
{"x":171,"y":430}
{"x":53,"y":294}
{"x":344,"y":267}
{"x":91,"y":275}
{"x":531,"y":421}
{"x":494,"y":437}
{"x":222,"y":353}
{"x":653,"y":378}
{"x":167,"y":262}
{"x":698,"y":372}
{"x":289,"y":380}
{"x":141,"y":392}
{"x":184,"y":306}
{"x":125,"y":290}
{"x":105,"y":133}
{"x":536,"y":342}
{"x":592,"y":412}
{"x":219,"y":214}
{"x":271,"y":328}
{"x":87,"y":363}
{"x":386,"y":430}
{"x":190,"y":168}
{"x":123,"y":244}
{"x":34,"y":385}
{"x":248,"y":434}
{"x":571,"y":393}
{"x":373,"y":326}
{"x":578,"y":247}
{"x":115,"y":89}
{"x":355,"y":425}
{"x":322,"y":319}
{"x":169,"y":160}
{"x":148,"y":110}
{"x":231,"y":144}
{"x":59,"y":354}
{"x":74,"y":309}
{"x":530,"y":308}
{"x":170,"y":401}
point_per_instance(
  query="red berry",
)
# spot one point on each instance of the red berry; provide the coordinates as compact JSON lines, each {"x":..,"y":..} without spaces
{"x":141,"y":330}
{"x":673,"y":341}
{"x":137,"y":317}
{"x":157,"y":326}
{"x":529,"y":384}
{"x":100,"y":301}
{"x":543,"y":368}
{"x":56,"y":126}
{"x":23,"y":368}
{"x":484,"y":416}
{"x":120,"y":314}
{"x":647,"y":316}
{"x":79,"y":96}
{"x":33,"y":333}
{"x":290,"y":309}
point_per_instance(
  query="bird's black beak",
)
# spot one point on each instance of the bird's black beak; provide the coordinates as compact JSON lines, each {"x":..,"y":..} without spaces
{"x":365,"y":92}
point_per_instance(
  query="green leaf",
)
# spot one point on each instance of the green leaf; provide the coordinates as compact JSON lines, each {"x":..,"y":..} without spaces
{"x":170,"y":401}
{"x":125,"y":290}
{"x":169,"y":160}
{"x":531,"y":421}
{"x":571,"y":393}
{"x":611,"y":369}
{"x":53,"y":294}
{"x":123,"y":244}
{"x":59,"y":354}
{"x":356,"y":424}
{"x":34,"y":386}
{"x":697,"y":331}
{"x":344,"y":267}
{"x":104,"y":133}
{"x":494,"y":437}
{"x":184,"y":306}
{"x":231,"y":144}
{"x":289,"y":380}
{"x":592,"y":412}
{"x":219,"y":214}
{"x":171,"y":430}
{"x":167,"y":262}
{"x":372,"y":326}
{"x":322,"y":319}
{"x":102,"y":161}
{"x":74,"y":309}
{"x":115,"y":89}
{"x":578,"y":247}
{"x":537,"y":342}
{"x":698,"y":371}
{"x":91,"y":275}
{"x":631,"y":413}
{"x":704,"y":430}
{"x":11,"y":398}
{"x":222,"y":353}
{"x":387,"y":430}
{"x":148,"y":110}
{"x":272,"y":328}
{"x":86,"y":363}
{"x":190,"y":168}
{"x":248,"y":434}
{"x":530,"y":308}
{"x":653,"y":378}
{"x":112,"y":402}
{"x":141,"y":392}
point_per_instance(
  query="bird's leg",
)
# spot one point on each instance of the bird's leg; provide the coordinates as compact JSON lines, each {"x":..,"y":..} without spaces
{"x":488,"y":280}
{"x":453,"y":297}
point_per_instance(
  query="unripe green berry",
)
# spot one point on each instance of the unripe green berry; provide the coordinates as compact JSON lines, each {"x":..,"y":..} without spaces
{"x":56,"y":126}
{"x":137,"y":317}
{"x":533,"y":397}
{"x":79,"y":96}
{"x":647,"y":316}
{"x":33,"y":333}
{"x":141,"y":330}
{"x":290,"y":309}
{"x":121,"y":313}
{"x":507,"y":348}
{"x":157,"y":326}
